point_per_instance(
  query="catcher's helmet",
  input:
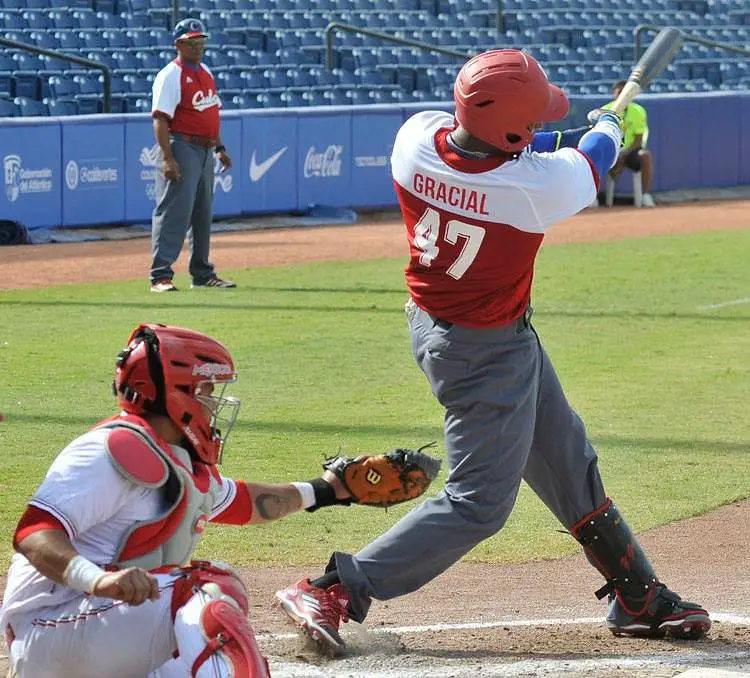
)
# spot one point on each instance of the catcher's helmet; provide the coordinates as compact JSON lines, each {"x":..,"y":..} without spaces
{"x":189,"y":28}
{"x":173,"y":371}
{"x":501,"y":93}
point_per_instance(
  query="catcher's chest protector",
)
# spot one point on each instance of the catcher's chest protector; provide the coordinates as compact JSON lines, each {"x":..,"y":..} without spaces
{"x":171,"y":537}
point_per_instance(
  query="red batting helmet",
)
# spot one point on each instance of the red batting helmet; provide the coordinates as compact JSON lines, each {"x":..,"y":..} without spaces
{"x":500,"y":94}
{"x":177,"y":372}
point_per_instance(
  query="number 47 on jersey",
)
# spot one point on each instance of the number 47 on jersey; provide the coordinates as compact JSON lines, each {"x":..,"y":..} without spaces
{"x":427,"y":237}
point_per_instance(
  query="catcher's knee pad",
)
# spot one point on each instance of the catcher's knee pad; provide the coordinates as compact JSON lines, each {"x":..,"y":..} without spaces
{"x":228,"y":634}
{"x":214,"y":603}
{"x":218,"y":580}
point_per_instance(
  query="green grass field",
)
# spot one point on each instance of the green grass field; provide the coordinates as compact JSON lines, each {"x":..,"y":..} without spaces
{"x":325,"y":365}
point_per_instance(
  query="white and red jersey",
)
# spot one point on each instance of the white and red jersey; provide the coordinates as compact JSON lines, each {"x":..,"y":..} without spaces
{"x":97,"y":506}
{"x":187,"y":95}
{"x":475,"y":226}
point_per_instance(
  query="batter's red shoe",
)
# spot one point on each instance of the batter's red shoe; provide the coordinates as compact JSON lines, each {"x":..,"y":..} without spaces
{"x":318,"y":612}
{"x":661,"y":613}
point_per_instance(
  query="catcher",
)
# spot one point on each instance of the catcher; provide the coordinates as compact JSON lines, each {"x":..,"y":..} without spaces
{"x":102,"y":583}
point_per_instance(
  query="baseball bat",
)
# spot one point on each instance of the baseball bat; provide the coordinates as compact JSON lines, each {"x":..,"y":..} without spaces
{"x":654,"y":60}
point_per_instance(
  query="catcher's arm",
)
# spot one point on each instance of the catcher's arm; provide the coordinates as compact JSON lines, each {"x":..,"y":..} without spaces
{"x":272,"y":502}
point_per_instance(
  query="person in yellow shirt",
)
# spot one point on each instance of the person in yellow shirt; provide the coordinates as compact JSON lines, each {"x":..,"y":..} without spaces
{"x":633,"y":153}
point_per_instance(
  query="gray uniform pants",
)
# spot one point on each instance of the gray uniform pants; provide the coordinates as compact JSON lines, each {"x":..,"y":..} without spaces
{"x":506,"y":419}
{"x":180,"y":205}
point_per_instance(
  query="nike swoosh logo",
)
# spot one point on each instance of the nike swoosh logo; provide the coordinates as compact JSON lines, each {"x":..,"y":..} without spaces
{"x":258,"y":170}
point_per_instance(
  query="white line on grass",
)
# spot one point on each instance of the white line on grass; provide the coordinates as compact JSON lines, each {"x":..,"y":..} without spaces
{"x":725,"y":304}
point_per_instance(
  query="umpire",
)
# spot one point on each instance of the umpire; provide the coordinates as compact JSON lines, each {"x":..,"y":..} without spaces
{"x":185,"y":110}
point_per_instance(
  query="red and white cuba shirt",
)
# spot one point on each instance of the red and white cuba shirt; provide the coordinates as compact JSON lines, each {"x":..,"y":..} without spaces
{"x":187,"y":96}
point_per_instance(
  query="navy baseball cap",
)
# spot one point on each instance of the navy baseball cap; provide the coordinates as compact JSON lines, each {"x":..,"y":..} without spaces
{"x":189,"y":28}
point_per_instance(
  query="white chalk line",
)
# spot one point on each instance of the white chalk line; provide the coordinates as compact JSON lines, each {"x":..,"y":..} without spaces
{"x":722,"y":617}
{"x":725,"y":304}
{"x":521,"y":667}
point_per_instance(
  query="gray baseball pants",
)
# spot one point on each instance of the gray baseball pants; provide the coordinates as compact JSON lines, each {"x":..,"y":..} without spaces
{"x":183,"y":204}
{"x":506,"y":419}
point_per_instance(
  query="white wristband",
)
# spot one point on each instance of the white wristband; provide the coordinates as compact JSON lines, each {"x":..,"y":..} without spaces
{"x":81,"y":574}
{"x":307,"y":493}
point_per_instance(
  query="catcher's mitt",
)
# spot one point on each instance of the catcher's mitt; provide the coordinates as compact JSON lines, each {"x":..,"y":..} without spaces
{"x":386,"y":479}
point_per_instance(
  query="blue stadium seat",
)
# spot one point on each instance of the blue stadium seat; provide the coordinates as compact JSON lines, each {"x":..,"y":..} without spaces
{"x":115,"y":38}
{"x":58,"y":107}
{"x":138,"y":84}
{"x":337,"y":97}
{"x":359,"y":96}
{"x":149,"y":61}
{"x":270,"y":100}
{"x":63,"y":88}
{"x":277,"y":79}
{"x":27,"y":84}
{"x":300,"y":77}
{"x":31,"y":107}
{"x":293,"y":99}
{"x":227,"y":82}
{"x":63,"y":19}
{"x":323,"y":77}
{"x":126,"y":61}
{"x":92,"y":39}
{"x":370,"y":76}
{"x":315,"y":98}
{"x":253,"y":79}
{"x":138,"y":38}
{"x":88,"y":84}
{"x":69,"y":40}
{"x":8,"y":109}
{"x":86,"y":18}
{"x":345,"y":77}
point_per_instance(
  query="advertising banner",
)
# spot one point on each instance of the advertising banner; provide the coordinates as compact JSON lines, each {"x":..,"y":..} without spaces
{"x":142,"y":160}
{"x":372,"y":142}
{"x":93,"y":170}
{"x":324,"y":158}
{"x":227,"y":188}
{"x":31,"y":155}
{"x":269,"y":162}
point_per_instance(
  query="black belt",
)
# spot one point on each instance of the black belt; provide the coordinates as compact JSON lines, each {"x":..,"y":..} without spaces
{"x":521,"y":323}
{"x":203,"y":142}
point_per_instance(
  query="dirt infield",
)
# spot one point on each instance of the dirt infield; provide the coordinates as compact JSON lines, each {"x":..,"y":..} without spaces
{"x":537,"y":618}
{"x":28,"y":266}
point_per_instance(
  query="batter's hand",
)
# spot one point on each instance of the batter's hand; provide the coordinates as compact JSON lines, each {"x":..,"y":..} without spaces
{"x":133,"y":586}
{"x":225,"y":160}
{"x":171,"y":169}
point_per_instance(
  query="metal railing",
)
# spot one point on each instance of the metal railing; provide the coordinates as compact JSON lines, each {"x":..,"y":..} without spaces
{"x":107,"y":85}
{"x":388,"y":37}
{"x":686,"y":37}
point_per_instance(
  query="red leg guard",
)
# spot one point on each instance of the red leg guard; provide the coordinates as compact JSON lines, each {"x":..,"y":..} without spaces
{"x":228,"y":633}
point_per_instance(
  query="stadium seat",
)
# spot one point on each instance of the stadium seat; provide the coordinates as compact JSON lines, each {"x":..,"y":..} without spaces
{"x":60,"y":107}
{"x":31,"y":107}
{"x":8,"y":109}
{"x":62,"y":88}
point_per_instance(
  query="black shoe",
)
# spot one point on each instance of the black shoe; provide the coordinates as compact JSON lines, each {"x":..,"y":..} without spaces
{"x":660,"y":613}
{"x":214,"y":281}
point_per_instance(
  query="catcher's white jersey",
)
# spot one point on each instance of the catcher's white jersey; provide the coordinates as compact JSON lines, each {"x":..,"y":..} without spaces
{"x":97,"y":506}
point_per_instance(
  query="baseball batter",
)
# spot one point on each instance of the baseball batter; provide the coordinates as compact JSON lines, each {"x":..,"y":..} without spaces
{"x":476,"y":201}
{"x":102,"y":583}
{"x":185,"y":109}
